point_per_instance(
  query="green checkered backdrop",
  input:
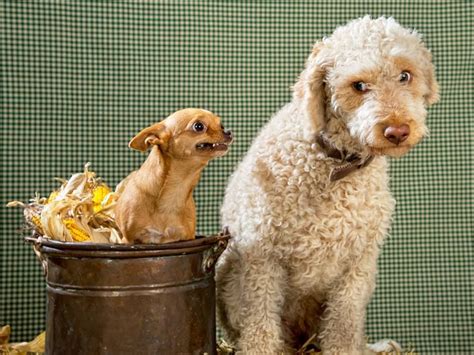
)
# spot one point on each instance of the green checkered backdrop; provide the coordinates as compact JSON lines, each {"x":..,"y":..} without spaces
{"x":80,"y":78}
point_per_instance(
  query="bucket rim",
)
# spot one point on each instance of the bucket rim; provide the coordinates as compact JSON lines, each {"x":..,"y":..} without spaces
{"x":201,"y":242}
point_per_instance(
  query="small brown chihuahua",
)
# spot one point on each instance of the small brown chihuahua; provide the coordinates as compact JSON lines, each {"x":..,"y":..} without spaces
{"x":156,"y":202}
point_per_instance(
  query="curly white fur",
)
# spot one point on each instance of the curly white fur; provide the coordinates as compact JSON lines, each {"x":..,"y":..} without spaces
{"x":304,"y":250}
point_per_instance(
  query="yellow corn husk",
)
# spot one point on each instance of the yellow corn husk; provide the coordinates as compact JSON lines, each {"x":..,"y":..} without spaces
{"x":32,"y":213}
{"x":37,"y":222}
{"x":81,"y":210}
{"x":98,"y":195}
{"x":77,"y":234}
{"x":53,"y":196}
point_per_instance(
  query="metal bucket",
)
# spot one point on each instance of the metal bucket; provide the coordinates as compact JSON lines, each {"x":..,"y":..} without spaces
{"x":130,"y":299}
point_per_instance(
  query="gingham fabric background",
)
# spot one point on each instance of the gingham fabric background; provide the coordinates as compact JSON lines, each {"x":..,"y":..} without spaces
{"x":78,"y":79}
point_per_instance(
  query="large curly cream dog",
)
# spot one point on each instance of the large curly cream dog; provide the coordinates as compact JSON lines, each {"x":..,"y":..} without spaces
{"x":309,"y":206}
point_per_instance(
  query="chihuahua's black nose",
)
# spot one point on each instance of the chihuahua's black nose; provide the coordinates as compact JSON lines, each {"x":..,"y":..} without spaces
{"x":227,"y":135}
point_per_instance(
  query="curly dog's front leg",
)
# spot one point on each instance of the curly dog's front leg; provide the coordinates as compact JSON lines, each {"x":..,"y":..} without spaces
{"x":262,"y":297}
{"x":344,"y":317}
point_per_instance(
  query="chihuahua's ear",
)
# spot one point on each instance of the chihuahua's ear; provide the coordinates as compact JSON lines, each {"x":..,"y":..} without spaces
{"x":153,"y":135}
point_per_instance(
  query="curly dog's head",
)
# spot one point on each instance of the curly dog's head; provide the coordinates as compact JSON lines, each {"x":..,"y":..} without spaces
{"x":368,"y":86}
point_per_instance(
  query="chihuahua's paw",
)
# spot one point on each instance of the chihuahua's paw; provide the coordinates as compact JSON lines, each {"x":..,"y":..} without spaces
{"x":149,"y":236}
{"x":177,"y":233}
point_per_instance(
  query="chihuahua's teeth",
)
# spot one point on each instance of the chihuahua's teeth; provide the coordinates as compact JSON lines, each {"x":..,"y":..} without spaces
{"x":212,"y":146}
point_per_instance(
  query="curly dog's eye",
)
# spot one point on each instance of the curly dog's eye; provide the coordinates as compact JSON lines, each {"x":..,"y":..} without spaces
{"x":405,"y":77}
{"x":360,"y":86}
{"x":198,"y":126}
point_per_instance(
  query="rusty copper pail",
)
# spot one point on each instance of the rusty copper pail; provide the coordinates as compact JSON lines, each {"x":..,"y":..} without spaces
{"x":130,"y":299}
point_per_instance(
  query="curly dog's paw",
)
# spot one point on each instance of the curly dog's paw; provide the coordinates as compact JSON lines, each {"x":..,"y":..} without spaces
{"x":384,"y":346}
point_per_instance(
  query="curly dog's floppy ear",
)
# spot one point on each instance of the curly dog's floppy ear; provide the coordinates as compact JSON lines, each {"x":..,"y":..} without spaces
{"x":153,"y":135}
{"x":432,"y":96}
{"x":309,"y":88}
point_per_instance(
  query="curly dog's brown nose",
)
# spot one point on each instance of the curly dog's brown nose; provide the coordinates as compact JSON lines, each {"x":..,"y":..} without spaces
{"x":397,"y":134}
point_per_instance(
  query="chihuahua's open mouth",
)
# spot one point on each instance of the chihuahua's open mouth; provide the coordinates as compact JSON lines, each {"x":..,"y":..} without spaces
{"x":212,"y":146}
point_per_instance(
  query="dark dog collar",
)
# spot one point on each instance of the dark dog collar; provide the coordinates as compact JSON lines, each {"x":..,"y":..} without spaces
{"x":350,"y":162}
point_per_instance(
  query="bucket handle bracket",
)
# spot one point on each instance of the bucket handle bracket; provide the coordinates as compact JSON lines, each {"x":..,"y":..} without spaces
{"x":211,"y":255}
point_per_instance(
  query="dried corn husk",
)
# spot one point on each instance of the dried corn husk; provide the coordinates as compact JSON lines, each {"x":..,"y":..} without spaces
{"x":81,"y":210}
{"x":98,"y":195}
{"x":37,"y":345}
{"x":78,"y":234}
{"x":5,"y":332}
{"x":32,"y":212}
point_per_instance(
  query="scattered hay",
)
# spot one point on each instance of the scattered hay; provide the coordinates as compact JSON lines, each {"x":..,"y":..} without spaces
{"x":310,"y":347}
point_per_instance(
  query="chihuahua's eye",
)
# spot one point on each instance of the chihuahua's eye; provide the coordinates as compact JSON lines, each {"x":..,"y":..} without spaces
{"x":360,"y":86}
{"x":198,"y":126}
{"x":405,"y":77}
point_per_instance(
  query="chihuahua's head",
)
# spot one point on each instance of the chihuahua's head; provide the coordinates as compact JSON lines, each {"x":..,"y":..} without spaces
{"x":188,"y":133}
